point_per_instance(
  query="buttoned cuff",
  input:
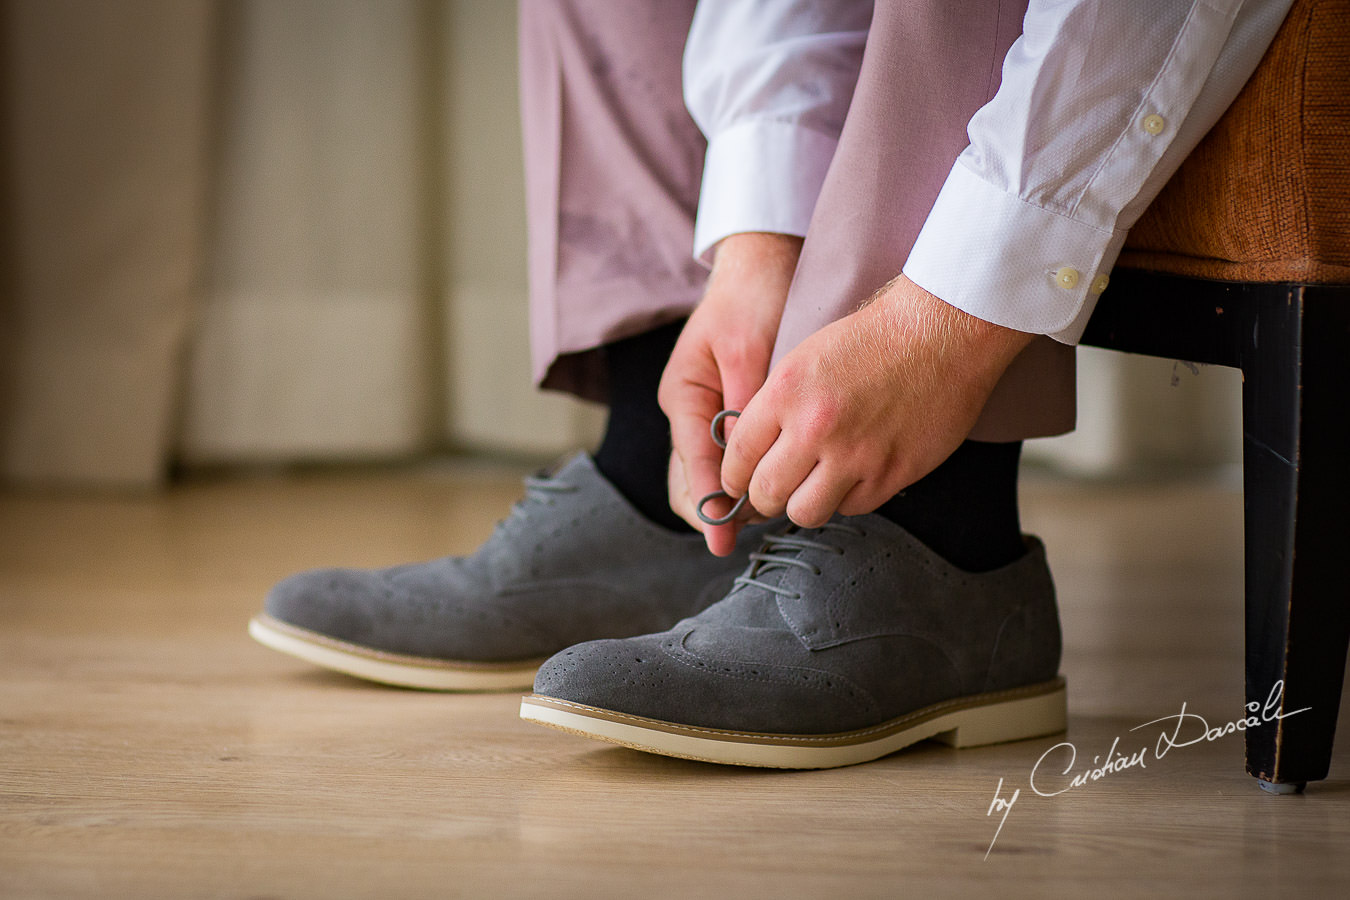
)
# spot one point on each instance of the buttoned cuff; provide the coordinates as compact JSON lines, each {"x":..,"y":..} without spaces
{"x":760,"y":175}
{"x":1010,"y":262}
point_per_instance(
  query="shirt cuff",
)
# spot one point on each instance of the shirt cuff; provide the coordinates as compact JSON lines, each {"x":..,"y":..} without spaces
{"x":1010,"y":262}
{"x":760,"y":175}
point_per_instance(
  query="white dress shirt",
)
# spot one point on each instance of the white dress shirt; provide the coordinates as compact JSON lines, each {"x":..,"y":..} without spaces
{"x":1100,"y":102}
{"x":769,"y":83}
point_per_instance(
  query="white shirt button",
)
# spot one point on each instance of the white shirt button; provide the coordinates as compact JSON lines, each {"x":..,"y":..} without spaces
{"x":1067,"y":278}
{"x":1099,"y":284}
{"x":1154,"y":123}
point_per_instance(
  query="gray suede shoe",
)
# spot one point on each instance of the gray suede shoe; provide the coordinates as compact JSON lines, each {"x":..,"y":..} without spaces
{"x":572,"y":562}
{"x":838,"y":645}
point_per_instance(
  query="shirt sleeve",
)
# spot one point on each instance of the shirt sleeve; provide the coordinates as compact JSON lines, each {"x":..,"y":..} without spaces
{"x":769,"y":83}
{"x":1099,"y":103}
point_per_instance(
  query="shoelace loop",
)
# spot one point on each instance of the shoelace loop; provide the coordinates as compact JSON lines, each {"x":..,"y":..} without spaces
{"x":720,"y":440}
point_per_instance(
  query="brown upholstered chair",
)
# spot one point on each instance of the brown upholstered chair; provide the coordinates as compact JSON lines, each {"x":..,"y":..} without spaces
{"x":1244,"y":260}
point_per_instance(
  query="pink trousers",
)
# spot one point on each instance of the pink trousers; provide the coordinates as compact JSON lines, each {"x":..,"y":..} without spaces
{"x":613,"y":165}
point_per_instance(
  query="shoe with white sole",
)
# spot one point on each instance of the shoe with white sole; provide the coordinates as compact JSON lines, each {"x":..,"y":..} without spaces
{"x":572,"y":562}
{"x":838,"y":645}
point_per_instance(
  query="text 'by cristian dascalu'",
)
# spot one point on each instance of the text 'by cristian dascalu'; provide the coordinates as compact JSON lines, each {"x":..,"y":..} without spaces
{"x":1058,"y":770}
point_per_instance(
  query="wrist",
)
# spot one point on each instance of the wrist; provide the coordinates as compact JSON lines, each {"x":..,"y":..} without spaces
{"x":982,"y":346}
{"x":756,"y":257}
{"x":748,"y":287}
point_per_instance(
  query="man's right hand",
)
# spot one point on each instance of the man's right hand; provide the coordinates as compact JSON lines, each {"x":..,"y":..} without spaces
{"x":720,"y":361}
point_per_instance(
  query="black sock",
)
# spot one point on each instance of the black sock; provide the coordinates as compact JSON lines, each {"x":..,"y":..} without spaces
{"x":965,"y":510}
{"x":635,"y":452}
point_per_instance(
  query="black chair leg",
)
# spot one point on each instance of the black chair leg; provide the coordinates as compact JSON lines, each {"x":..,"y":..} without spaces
{"x":1296,"y":425}
{"x":1292,"y":343}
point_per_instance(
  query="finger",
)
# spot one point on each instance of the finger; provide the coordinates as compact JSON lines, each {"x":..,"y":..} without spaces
{"x":756,"y":431}
{"x":864,"y":497}
{"x":691,"y":413}
{"x":692,"y":443}
{"x":703,"y":476}
{"x":739,"y":385}
{"x":721,"y":539}
{"x":778,"y":475}
{"x":690,"y":395}
{"x":818,"y":497}
{"x":678,"y":489}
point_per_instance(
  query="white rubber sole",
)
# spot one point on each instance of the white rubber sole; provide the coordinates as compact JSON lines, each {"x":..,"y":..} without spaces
{"x":1032,"y":711}
{"x":391,"y":668}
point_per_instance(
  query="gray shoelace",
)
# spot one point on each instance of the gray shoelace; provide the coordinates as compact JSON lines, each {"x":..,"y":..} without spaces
{"x":739,"y":505}
{"x":772,"y":555}
{"x":539,"y":490}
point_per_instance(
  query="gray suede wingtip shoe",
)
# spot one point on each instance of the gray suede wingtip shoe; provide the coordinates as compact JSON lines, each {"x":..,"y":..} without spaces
{"x":837,"y":646}
{"x":572,"y":562}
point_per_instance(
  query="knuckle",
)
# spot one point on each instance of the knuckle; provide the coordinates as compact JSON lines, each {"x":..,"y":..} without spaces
{"x":666,"y":394}
{"x":807,"y":512}
{"x":731,"y":477}
{"x":765,"y":501}
{"x":820,"y":419}
{"x":790,"y":371}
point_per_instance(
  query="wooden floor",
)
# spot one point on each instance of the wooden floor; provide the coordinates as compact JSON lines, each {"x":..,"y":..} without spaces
{"x":148,"y":748}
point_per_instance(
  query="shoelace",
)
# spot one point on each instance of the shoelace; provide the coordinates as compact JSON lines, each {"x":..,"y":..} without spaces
{"x":771,"y":556}
{"x":721,"y":441}
{"x":538,"y":489}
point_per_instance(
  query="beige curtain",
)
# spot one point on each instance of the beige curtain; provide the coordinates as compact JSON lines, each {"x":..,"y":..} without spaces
{"x":103,"y":155}
{"x":262,"y":231}
{"x":366,"y":295}
{"x":275,"y":230}
{"x":311,"y":335}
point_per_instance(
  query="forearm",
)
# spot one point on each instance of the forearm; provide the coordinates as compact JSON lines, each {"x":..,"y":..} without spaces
{"x":756,"y":265}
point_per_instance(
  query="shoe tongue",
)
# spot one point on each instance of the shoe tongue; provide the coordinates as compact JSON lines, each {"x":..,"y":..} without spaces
{"x":753,"y":605}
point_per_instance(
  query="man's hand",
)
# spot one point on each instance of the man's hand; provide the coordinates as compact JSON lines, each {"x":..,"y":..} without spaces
{"x":866,"y":406}
{"x":720,"y":361}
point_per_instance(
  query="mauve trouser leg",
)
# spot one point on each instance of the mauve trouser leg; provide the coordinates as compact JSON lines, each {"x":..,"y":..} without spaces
{"x":612,"y":170}
{"x":929,"y":65}
{"x":613,"y":164}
